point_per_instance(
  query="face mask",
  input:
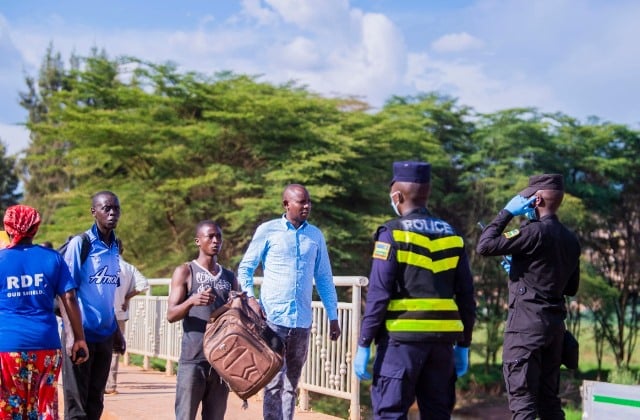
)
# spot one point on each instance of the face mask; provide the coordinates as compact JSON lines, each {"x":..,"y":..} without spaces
{"x":394,"y":205}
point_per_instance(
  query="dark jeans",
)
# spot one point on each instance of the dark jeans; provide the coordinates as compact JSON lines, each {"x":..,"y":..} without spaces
{"x":83,"y":384}
{"x":280,"y":394}
{"x":404,"y":372}
{"x":199,"y":383}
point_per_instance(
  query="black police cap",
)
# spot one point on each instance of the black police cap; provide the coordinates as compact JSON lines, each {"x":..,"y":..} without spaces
{"x":543,"y":182}
{"x":411,"y":171}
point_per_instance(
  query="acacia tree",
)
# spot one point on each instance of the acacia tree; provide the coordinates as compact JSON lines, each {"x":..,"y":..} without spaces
{"x":179,"y":147}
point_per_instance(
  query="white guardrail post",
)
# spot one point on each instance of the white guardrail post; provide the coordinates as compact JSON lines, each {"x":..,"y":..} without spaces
{"x":329,"y":366}
{"x":603,"y":400}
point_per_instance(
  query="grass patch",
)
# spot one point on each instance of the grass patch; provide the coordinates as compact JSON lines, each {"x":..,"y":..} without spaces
{"x":154,"y":362}
{"x":337,"y":407}
{"x":572,"y":412}
{"x":160,"y":290}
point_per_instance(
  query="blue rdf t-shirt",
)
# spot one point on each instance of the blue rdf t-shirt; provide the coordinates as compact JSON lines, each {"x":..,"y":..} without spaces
{"x":30,"y":278}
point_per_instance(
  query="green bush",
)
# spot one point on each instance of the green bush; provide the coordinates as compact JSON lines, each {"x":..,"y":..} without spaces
{"x":623,"y":376}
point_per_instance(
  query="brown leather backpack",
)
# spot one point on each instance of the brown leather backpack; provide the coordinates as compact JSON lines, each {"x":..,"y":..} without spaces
{"x":241,"y":347}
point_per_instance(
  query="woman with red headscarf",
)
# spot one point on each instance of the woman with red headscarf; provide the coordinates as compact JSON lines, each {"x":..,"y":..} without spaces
{"x":31,"y":277}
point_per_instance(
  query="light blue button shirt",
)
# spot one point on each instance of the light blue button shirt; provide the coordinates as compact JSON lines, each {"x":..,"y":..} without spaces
{"x":291,"y":258}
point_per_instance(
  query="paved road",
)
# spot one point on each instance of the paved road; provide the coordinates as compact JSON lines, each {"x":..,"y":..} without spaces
{"x":147,"y":395}
{"x":150,"y":395}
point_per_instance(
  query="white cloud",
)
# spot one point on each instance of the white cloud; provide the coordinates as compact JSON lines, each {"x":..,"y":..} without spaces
{"x":253,"y":9}
{"x":15,"y":137}
{"x":300,"y":54}
{"x":11,"y":77}
{"x":521,"y":53}
{"x":470,"y":83}
{"x":457,"y":42}
{"x":206,"y":19}
{"x":312,"y":15}
{"x":357,"y":53}
{"x":369,"y":64}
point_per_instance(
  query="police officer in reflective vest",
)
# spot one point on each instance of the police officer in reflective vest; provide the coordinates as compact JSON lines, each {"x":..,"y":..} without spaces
{"x":420,"y":306}
{"x":545,"y":266}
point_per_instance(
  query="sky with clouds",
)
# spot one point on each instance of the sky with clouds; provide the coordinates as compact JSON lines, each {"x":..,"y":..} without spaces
{"x":579,"y":57}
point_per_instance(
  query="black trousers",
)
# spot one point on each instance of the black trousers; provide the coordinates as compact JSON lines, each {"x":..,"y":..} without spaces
{"x":531,"y":368}
{"x":84,"y":384}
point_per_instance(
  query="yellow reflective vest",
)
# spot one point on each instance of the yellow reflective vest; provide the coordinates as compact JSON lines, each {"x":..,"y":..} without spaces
{"x":422,"y":308}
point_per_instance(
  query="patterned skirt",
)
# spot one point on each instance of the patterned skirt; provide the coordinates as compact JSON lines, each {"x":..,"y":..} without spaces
{"x":28,"y":384}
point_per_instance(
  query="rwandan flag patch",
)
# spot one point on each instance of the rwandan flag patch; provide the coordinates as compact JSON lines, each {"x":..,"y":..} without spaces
{"x":381,"y":250}
{"x":512,"y":233}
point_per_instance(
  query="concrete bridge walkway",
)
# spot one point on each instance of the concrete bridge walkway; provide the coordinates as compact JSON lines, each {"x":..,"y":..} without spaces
{"x":150,"y":395}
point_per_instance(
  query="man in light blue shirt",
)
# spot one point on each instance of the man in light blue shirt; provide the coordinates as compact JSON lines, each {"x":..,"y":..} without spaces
{"x":292,"y":253}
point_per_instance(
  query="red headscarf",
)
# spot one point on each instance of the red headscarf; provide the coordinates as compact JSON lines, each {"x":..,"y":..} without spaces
{"x":21,"y":222}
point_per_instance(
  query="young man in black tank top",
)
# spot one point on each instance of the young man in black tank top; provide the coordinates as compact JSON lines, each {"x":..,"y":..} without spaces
{"x":197,"y":289}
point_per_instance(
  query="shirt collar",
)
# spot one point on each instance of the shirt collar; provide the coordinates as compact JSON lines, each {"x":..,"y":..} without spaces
{"x":419,"y":210}
{"x":94,"y":230}
{"x":289,"y":225}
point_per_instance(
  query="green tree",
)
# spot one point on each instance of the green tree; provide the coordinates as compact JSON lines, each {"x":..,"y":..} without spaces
{"x":178,"y":148}
{"x":9,"y":194}
{"x":601,"y":300}
{"x":606,"y":178}
{"x":41,"y":171}
{"x":504,"y":153}
{"x":508,"y":147}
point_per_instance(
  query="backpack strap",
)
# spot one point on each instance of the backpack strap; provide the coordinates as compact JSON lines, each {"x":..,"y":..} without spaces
{"x":86,"y":247}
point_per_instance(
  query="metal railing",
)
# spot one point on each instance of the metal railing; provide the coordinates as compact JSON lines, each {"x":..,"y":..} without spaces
{"x":329,"y":367}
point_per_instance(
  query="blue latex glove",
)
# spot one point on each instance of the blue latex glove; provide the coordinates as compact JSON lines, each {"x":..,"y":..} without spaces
{"x":360,"y":363}
{"x":506,"y":263}
{"x":461,"y":360}
{"x":519,"y":205}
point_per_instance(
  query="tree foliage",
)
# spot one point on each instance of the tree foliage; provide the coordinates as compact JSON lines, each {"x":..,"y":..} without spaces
{"x":178,"y":147}
{"x":9,"y":194}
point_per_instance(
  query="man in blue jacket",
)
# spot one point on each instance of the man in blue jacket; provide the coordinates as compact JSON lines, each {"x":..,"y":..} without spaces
{"x":96,"y":279}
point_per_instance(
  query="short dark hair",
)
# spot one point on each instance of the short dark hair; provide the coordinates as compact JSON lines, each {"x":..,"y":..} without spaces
{"x":553,"y":198}
{"x":95,"y":196}
{"x":207,"y":222}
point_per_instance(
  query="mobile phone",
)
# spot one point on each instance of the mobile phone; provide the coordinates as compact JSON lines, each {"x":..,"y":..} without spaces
{"x":80,"y":353}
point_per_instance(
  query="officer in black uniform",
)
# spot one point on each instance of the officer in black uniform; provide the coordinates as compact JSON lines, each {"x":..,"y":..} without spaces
{"x":420,"y":305}
{"x":545,"y":266}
